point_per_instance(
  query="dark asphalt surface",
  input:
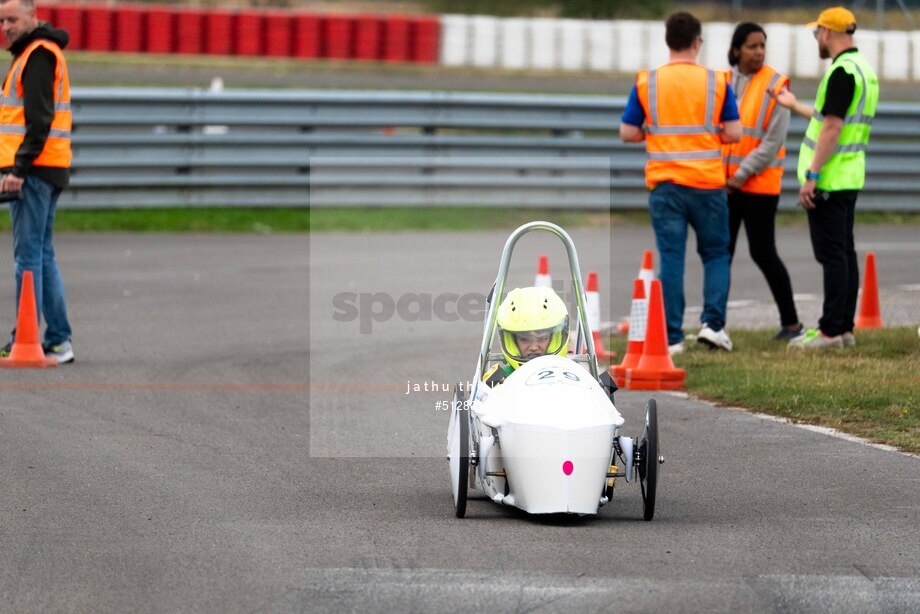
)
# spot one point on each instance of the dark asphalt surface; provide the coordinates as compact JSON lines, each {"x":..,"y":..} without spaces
{"x":224,"y":444}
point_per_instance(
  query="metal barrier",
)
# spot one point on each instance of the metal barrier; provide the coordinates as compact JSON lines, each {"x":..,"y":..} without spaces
{"x":159,"y":148}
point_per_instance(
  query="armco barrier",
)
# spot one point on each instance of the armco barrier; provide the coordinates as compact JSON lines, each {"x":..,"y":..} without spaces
{"x":152,"y":148}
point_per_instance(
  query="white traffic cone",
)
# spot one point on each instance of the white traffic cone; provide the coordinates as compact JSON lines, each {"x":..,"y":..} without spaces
{"x":542,"y":279}
{"x":646,"y":274}
{"x":593,"y":311}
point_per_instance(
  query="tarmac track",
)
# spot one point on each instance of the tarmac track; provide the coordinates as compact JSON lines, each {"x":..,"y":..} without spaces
{"x":224,"y":444}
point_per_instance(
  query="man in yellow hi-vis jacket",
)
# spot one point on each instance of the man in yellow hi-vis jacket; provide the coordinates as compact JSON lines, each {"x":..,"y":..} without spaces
{"x":832,"y":171}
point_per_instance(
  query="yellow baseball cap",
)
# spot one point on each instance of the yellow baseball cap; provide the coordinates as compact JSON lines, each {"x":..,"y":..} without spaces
{"x":837,"y":19}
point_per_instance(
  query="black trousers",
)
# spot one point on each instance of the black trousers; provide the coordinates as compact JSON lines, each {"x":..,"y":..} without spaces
{"x":758,"y":212}
{"x":831,"y":226}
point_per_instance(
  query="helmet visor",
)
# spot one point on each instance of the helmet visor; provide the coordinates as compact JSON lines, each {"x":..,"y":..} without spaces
{"x":522,"y":346}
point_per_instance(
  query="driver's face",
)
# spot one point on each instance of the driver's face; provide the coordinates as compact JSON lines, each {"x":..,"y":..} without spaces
{"x":532,"y":345}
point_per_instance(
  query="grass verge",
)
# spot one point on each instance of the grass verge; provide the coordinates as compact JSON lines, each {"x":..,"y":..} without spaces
{"x":872,"y":390}
{"x":387,"y":219}
{"x":258,"y":220}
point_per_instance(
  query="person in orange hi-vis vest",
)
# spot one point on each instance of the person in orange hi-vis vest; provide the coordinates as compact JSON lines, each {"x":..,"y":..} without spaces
{"x":685,"y":112}
{"x":754,"y":165}
{"x":35,"y":155}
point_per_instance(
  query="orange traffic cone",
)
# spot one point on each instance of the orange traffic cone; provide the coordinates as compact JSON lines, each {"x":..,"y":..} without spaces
{"x":869,"y":314}
{"x":656,"y":370}
{"x":27,"y":349}
{"x":593,"y":309}
{"x":646,"y":274}
{"x":542,"y":279}
{"x":638,"y":312}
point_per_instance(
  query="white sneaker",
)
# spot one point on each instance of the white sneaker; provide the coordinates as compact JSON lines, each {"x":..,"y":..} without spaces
{"x":813,"y":339}
{"x":62,"y":352}
{"x":717,"y":340}
{"x":677,"y":348}
{"x":849,"y":339}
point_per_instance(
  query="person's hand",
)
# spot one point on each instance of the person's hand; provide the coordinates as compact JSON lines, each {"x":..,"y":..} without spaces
{"x":807,"y":194}
{"x":783,"y":98}
{"x":11,"y":183}
{"x":732,"y":184}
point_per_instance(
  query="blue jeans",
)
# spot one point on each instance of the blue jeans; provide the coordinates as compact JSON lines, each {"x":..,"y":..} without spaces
{"x":672,"y":206}
{"x":33,"y":223}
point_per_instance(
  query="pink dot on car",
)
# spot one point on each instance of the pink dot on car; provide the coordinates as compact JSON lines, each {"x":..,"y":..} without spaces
{"x":568,"y":467}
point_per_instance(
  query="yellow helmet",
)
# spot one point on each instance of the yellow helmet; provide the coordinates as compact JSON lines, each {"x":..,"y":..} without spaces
{"x":532,"y":310}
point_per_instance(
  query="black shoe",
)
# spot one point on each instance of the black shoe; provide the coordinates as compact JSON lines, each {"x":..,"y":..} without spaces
{"x":787,"y":334}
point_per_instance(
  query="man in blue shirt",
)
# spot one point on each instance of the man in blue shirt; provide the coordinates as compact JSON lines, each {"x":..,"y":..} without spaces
{"x":673,"y":108}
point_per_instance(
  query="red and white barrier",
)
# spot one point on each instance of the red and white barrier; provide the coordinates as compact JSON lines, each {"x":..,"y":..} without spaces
{"x":161,"y":30}
{"x":572,"y":39}
{"x":629,"y":45}
{"x":219,"y":34}
{"x":656,"y":49}
{"x":485,"y":41}
{"x":544,"y":43}
{"x":307,"y":37}
{"x":779,"y":46}
{"x":396,"y":43}
{"x":600,"y":45}
{"x":895,"y":49}
{"x":513,"y":34}
{"x":454,"y":36}
{"x":129,"y":29}
{"x":806,"y":60}
{"x":451,"y":40}
{"x":915,"y":45}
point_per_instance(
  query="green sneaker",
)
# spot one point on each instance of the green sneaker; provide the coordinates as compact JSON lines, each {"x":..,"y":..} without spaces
{"x":6,"y":349}
{"x":813,"y":339}
{"x":61,"y":352}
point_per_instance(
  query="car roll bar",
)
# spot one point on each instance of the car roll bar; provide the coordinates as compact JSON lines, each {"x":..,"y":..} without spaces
{"x":582,"y":330}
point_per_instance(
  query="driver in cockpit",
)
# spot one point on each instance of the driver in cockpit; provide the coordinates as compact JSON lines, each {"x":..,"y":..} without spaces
{"x":532,"y":322}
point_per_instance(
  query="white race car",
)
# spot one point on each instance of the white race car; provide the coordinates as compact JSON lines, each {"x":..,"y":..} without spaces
{"x":547,"y":440}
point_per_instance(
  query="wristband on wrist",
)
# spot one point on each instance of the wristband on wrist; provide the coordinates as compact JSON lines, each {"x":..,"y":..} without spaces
{"x":812,"y":176}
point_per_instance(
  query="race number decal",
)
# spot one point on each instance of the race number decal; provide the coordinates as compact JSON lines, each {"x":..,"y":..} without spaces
{"x":559,"y":375}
